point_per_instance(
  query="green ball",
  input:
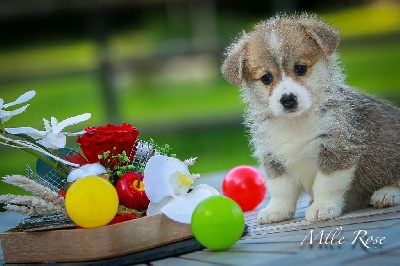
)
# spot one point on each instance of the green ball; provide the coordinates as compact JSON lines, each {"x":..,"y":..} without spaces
{"x":217,"y":222}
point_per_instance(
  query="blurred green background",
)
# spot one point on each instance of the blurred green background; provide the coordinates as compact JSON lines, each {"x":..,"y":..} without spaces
{"x":155,"y":65}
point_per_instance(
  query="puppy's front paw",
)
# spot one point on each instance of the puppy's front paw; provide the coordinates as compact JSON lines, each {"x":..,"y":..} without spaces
{"x":273,"y":215}
{"x":322,"y":212}
{"x":386,"y":197}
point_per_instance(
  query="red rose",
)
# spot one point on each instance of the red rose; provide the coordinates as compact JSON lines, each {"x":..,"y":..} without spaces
{"x":116,"y":139}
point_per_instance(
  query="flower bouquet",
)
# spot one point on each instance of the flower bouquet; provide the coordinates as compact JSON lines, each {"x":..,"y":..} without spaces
{"x":111,"y":195}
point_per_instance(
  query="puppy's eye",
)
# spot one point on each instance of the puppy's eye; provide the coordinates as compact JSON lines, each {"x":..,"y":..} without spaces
{"x":267,"y":79}
{"x":300,"y":70}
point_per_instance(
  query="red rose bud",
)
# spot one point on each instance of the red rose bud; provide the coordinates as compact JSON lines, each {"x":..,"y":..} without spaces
{"x":131,"y":192}
{"x":115,"y":139}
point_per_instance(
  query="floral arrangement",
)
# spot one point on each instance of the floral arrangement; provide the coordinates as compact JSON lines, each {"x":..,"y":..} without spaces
{"x":147,"y":178}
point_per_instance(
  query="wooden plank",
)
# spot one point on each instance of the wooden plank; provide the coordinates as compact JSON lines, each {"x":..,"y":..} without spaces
{"x":182,"y":262}
{"x":359,"y":217}
{"x":379,"y":260}
{"x":275,"y":247}
{"x":236,"y":258}
{"x":92,"y":244}
{"x":281,"y":243}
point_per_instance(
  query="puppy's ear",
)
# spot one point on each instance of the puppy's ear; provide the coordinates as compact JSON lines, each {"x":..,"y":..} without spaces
{"x":325,"y":36}
{"x":233,"y":64}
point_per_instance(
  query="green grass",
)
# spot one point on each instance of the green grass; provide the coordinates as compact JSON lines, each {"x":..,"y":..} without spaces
{"x":174,"y":103}
{"x":217,"y":149}
{"x":49,"y":59}
{"x":59,"y":97}
{"x":373,"y":19}
{"x":373,"y":67}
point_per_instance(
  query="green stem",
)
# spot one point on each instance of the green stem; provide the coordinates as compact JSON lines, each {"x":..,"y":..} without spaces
{"x":139,"y":180}
{"x":3,"y":129}
{"x":58,"y":155}
{"x":61,"y":165}
{"x":44,"y":159}
{"x":63,"y":171}
{"x":58,"y":164}
{"x":30,"y":139}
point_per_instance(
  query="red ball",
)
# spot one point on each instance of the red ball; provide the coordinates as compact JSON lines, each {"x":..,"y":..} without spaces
{"x":245,"y":185}
{"x":131,"y":192}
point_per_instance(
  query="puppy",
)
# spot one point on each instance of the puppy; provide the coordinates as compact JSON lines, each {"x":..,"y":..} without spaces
{"x":311,"y":132}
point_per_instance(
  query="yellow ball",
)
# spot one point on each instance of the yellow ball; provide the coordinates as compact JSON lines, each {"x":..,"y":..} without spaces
{"x":91,"y":202}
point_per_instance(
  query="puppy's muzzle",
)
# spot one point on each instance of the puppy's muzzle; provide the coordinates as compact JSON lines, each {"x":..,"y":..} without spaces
{"x":289,"y":102}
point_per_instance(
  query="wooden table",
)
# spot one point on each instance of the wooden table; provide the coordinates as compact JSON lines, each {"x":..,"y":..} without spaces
{"x":366,"y":237}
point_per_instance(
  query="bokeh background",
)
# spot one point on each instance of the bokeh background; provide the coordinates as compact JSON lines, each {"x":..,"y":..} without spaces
{"x":155,"y":64}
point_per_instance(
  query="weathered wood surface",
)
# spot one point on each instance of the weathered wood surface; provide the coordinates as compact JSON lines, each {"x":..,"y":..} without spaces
{"x":281,"y":244}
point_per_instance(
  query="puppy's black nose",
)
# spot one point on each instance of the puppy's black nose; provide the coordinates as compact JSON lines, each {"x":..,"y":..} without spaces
{"x":289,"y":101}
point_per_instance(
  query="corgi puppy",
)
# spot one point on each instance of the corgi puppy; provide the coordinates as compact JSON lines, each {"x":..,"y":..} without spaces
{"x":310,"y":131}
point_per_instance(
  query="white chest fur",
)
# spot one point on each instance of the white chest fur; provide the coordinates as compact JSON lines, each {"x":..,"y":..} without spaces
{"x":295,"y":143}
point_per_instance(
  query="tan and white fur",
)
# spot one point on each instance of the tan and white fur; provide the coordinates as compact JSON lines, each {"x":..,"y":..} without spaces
{"x":311,"y":132}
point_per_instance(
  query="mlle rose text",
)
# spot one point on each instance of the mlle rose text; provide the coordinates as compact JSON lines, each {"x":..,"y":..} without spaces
{"x":335,"y":237}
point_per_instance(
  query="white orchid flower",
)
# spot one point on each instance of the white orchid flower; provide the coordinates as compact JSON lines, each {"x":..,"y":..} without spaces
{"x":167,"y":181}
{"x":6,"y":115}
{"x":52,"y":137}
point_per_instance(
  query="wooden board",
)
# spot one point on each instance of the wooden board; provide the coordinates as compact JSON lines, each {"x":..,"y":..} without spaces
{"x":92,"y":244}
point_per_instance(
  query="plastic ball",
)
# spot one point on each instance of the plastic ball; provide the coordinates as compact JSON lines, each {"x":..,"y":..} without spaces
{"x":245,"y":185}
{"x":217,"y":222}
{"x":91,"y":202}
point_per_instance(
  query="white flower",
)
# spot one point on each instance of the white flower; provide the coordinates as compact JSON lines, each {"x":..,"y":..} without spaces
{"x":167,"y":181}
{"x":52,"y":137}
{"x":94,"y":169}
{"x":6,"y":115}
